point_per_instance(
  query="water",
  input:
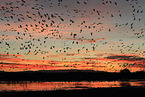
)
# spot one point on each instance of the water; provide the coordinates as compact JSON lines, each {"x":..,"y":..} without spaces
{"x":50,"y":86}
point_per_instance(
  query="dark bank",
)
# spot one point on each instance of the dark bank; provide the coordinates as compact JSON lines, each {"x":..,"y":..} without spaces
{"x":67,"y":75}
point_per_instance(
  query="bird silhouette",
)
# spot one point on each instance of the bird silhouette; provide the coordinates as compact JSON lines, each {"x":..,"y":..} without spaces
{"x":63,"y":27}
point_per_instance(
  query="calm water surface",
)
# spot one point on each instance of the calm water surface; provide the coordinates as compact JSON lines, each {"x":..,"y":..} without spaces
{"x":49,"y":86}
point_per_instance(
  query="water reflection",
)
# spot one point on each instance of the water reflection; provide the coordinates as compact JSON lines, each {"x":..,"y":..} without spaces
{"x":49,"y":86}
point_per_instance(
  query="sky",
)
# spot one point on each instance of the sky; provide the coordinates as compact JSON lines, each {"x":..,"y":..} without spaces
{"x":100,"y":35}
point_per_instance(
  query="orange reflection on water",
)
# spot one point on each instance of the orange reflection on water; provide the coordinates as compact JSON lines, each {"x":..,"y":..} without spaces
{"x":50,"y":86}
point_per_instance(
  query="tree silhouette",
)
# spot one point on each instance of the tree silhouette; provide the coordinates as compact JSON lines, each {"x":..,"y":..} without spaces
{"x":125,"y":84}
{"x":125,"y":71}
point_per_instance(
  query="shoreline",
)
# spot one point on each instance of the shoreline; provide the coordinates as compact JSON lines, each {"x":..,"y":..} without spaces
{"x":69,"y":76}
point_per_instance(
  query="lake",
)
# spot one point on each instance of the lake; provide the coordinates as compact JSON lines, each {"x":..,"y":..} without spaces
{"x":65,"y":85}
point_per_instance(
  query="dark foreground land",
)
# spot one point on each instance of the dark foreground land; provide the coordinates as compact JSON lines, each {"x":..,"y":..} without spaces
{"x":99,"y":92}
{"x":74,"y":76}
{"x":68,"y":76}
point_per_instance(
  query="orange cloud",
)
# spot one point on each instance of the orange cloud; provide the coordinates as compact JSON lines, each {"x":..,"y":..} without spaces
{"x":111,"y":63}
{"x":84,"y":40}
{"x":10,"y":55}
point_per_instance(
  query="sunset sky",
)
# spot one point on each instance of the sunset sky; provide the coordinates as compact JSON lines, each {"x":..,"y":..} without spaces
{"x":100,"y":35}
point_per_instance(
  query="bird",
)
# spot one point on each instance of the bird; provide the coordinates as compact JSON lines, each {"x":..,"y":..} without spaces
{"x":40,"y":27}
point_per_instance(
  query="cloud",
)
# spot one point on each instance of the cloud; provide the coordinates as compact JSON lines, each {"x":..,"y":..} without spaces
{"x":110,"y":63}
{"x":18,"y":64}
{"x":13,"y":67}
{"x":134,"y":62}
{"x":10,"y":55}
{"x":126,"y":57}
{"x":85,"y":40}
{"x":73,"y":54}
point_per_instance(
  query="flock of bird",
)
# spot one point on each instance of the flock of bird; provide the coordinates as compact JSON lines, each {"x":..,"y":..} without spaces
{"x":34,"y":28}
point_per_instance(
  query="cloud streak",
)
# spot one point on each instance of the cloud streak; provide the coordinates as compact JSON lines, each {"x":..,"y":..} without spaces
{"x":126,"y":57}
{"x":110,"y":63}
{"x":85,"y":40}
